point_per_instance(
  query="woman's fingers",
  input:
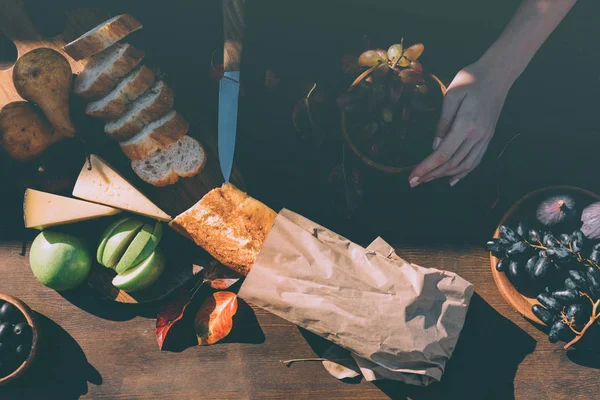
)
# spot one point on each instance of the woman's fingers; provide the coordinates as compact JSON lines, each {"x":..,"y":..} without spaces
{"x":455,"y":161}
{"x":469,"y":163}
{"x":450,"y":107}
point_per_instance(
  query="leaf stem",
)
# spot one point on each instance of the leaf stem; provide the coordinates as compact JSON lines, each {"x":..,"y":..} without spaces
{"x":290,"y":362}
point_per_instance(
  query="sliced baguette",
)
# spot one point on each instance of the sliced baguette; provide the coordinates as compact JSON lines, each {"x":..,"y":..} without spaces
{"x":130,"y":88}
{"x":184,"y":158}
{"x":104,"y":70}
{"x":229,"y":224}
{"x":156,"y":135}
{"x":151,"y":106}
{"x":102,"y":36}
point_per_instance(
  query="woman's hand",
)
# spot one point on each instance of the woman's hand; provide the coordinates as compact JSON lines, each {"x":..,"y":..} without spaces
{"x":470,"y":111}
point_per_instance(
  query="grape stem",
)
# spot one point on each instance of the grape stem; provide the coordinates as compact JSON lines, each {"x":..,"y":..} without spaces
{"x":595,"y":315}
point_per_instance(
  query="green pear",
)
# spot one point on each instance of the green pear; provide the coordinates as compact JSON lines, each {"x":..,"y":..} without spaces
{"x":105,"y":236}
{"x":136,"y":247}
{"x":119,"y":240}
{"x":143,"y":275}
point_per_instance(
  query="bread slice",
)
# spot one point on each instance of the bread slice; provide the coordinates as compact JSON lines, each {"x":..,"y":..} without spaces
{"x":156,"y":135}
{"x":229,"y":224}
{"x":151,"y":106}
{"x":184,"y":158}
{"x":130,"y":88}
{"x":102,"y":37}
{"x":104,"y":70}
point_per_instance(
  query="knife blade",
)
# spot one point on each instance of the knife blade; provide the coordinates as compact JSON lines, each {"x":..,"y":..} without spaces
{"x":229,"y":87}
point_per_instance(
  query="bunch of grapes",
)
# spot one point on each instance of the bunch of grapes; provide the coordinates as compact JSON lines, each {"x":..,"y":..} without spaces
{"x":561,"y":269}
{"x":384,"y":101}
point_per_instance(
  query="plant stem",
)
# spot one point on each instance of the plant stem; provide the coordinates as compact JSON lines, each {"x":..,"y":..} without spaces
{"x":290,"y":362}
{"x":593,"y":318}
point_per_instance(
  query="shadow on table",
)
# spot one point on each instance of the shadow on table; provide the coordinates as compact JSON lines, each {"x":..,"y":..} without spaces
{"x":59,"y":371}
{"x":484,"y":362}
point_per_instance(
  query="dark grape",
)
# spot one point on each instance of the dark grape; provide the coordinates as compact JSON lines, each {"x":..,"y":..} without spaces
{"x":560,"y":254}
{"x":560,"y":331}
{"x":579,"y":279}
{"x":501,"y":264}
{"x":596,"y":246}
{"x":508,"y":234}
{"x":577,"y":246}
{"x":566,"y":295}
{"x":544,"y":315}
{"x":513,"y":269}
{"x":549,"y":240}
{"x":593,"y":277}
{"x":569,"y":284}
{"x":534,"y":235}
{"x":541,"y":268}
{"x":577,"y":236}
{"x":564,"y":239}
{"x":495,"y":246}
{"x":416,"y":66}
{"x":595,"y":256}
{"x":549,"y":302}
{"x":517,"y":248}
{"x":577,"y":313}
{"x":530,"y":266}
{"x":521,"y":229}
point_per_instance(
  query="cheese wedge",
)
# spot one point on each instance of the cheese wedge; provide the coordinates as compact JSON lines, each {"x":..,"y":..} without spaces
{"x":42,"y":210}
{"x":102,"y":184}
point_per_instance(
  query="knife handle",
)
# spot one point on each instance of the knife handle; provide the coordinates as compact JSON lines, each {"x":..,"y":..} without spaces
{"x":233,"y":33}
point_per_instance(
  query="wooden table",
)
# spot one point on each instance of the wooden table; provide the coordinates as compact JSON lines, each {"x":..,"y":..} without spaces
{"x":107,"y":350}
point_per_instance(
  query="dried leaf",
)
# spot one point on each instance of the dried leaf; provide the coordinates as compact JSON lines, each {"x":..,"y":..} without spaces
{"x":306,"y":118}
{"x":214,"y":320}
{"x":220,"y":277}
{"x":169,"y":314}
{"x":339,"y":363}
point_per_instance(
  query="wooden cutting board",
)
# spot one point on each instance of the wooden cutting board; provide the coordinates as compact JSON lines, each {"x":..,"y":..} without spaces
{"x":184,"y":258}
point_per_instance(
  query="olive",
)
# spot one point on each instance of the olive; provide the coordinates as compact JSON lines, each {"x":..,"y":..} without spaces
{"x":566,"y":295}
{"x":544,"y":315}
{"x":508,"y":234}
{"x":22,"y":330}
{"x":22,"y":351}
{"x":8,"y":312}
{"x":6,"y":331}
{"x":3,"y":351}
{"x":549,"y":303}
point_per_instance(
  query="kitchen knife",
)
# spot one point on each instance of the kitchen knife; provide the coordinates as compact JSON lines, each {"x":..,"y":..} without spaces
{"x":229,"y":87}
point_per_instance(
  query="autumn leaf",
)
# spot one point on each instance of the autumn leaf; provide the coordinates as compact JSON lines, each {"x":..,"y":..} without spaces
{"x":169,"y":314}
{"x":339,"y":363}
{"x":220,"y":277}
{"x":214,"y":320}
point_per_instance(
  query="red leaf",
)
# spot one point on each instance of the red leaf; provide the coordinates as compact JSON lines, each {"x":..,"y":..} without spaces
{"x":169,"y":314}
{"x":220,"y":277}
{"x":214,"y":320}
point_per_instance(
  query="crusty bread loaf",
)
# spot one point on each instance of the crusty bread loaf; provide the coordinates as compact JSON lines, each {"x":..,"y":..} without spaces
{"x":103,"y":70}
{"x":229,"y":224}
{"x":102,"y":36}
{"x":156,"y":135}
{"x":184,"y":158}
{"x":130,"y":88}
{"x":151,"y":106}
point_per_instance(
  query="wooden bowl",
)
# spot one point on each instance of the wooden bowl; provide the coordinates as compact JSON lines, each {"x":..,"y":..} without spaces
{"x":365,"y":159}
{"x":31,"y":320}
{"x":522,"y":210}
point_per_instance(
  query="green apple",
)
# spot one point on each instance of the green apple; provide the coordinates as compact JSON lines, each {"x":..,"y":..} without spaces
{"x":59,"y":261}
{"x":105,"y":236}
{"x":119,"y":240}
{"x":134,"y":250}
{"x":143,"y":275}
{"x":151,"y":245}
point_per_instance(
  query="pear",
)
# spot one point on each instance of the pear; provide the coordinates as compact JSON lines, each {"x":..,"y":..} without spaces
{"x":44,"y":76}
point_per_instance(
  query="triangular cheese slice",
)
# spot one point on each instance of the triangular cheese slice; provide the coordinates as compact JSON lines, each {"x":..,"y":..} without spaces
{"x":102,"y":184}
{"x":42,"y":210}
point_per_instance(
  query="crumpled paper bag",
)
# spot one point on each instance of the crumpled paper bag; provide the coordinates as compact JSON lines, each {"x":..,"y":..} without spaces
{"x":401,"y":320}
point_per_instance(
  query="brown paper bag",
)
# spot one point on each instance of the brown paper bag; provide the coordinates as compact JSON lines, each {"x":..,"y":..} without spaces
{"x":402,"y":319}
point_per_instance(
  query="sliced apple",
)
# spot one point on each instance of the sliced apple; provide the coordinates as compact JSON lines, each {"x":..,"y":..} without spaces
{"x":119,"y":240}
{"x":151,"y":245}
{"x":143,"y":275}
{"x":105,"y":236}
{"x":136,"y":247}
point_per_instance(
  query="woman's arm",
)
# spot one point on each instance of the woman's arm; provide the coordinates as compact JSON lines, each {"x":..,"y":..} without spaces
{"x":476,"y":95}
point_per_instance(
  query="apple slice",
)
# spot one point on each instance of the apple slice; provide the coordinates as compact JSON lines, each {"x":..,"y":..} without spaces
{"x":152,"y":244}
{"x":143,"y":275}
{"x":138,"y":244}
{"x":105,"y":236}
{"x":119,"y":240}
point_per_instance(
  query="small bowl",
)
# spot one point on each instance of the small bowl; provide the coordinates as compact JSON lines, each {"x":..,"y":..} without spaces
{"x":374,"y":164}
{"x":31,"y":320}
{"x":523,"y":209}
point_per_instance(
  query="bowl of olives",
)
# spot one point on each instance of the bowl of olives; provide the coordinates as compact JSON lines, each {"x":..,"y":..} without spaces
{"x":18,"y":338}
{"x":545,"y":260}
{"x":390,"y":112}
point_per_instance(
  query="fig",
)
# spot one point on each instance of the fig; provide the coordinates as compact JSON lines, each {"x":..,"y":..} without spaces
{"x":556,"y":209}
{"x":591,"y":221}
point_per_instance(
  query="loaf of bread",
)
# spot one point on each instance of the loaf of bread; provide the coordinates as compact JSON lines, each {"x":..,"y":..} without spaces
{"x":102,"y":36}
{"x":229,"y":224}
